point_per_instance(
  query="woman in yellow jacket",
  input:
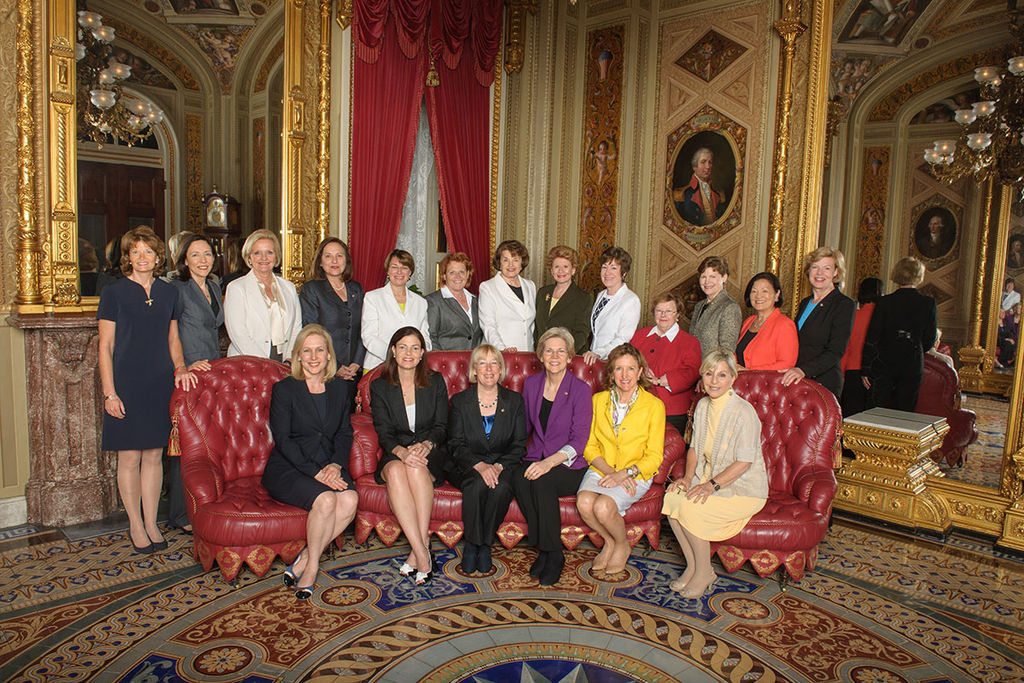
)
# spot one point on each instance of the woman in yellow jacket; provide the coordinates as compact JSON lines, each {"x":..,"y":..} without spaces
{"x":625,"y":450}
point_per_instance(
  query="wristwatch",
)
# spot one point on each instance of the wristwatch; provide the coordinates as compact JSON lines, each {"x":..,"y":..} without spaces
{"x":633,"y":471}
{"x":714,"y":483}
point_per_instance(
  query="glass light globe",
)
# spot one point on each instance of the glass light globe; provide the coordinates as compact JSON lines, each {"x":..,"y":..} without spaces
{"x":979,"y":141}
{"x":965,"y":116}
{"x":87,"y":19}
{"x":120,"y":71}
{"x":945,"y":147}
{"x":79,"y":52}
{"x":104,"y":34}
{"x":986,"y":74}
{"x":1016,"y":66}
{"x":106,"y":78}
{"x":984,"y":108}
{"x":103,"y":99}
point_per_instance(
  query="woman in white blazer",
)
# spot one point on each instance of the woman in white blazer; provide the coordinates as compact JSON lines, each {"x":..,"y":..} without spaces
{"x":616,"y":312}
{"x":508,"y":302}
{"x":261,"y":309}
{"x":391,"y":307}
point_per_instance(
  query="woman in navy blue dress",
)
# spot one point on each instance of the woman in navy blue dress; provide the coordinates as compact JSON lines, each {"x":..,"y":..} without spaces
{"x":141,"y":362}
{"x":200,"y":314}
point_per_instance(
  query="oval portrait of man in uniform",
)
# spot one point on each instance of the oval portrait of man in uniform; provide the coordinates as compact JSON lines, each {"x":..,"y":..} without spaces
{"x":704,"y":178}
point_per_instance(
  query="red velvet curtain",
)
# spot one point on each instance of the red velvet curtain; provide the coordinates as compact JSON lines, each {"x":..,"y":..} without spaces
{"x":390,"y":72}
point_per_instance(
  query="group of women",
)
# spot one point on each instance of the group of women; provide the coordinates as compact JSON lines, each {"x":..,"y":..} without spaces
{"x":493,"y":444}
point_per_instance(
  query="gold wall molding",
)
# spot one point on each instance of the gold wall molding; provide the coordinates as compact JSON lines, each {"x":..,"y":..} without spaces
{"x":1000,"y":231}
{"x":345,"y":14}
{"x":972,"y":356}
{"x":495,"y":152}
{"x":789,"y":28}
{"x":260,"y":84}
{"x":194,"y":173}
{"x":515,"y":32}
{"x":295,"y":133}
{"x":29,"y":295}
{"x":323,"y":161}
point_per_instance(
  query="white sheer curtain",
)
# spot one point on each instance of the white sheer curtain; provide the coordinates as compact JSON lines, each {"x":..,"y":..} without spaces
{"x":417,"y":233}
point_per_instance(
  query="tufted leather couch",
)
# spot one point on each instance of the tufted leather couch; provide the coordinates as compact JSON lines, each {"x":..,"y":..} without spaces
{"x":374,"y":513}
{"x":940,"y":395}
{"x":800,"y":440}
{"x":222,"y":432}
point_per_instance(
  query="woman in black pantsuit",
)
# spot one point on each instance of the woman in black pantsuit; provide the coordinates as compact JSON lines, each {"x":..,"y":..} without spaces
{"x":902,"y":329}
{"x":487,"y":428}
{"x":308,"y":467}
{"x":410,"y":413}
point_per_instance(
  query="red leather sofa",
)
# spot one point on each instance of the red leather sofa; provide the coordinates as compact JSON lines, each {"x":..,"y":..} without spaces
{"x":222,"y":433}
{"x":374,"y":513}
{"x":800,"y":440}
{"x":940,"y":395}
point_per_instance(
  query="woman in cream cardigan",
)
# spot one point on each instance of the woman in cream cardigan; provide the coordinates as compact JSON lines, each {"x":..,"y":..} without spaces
{"x":725,"y":482}
{"x":261,"y":309}
{"x":391,"y":307}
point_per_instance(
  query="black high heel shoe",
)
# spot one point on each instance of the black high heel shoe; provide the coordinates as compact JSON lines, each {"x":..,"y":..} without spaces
{"x":289,"y":572}
{"x":142,"y":550}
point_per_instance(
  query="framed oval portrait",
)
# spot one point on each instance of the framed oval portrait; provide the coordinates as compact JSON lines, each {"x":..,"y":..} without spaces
{"x":935,"y":233}
{"x":704,"y":177}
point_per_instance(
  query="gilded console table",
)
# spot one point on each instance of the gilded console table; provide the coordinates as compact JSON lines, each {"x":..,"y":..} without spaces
{"x":885,"y":479}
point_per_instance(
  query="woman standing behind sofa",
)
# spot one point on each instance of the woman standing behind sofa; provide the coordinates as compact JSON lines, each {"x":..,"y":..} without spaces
{"x":487,"y":439}
{"x":508,"y":301}
{"x":673,"y":357}
{"x":308,"y":467}
{"x":616,"y":311}
{"x":768,"y":339}
{"x":453,"y":313}
{"x":331,"y":298}
{"x":410,"y":413}
{"x":823,"y":322}
{"x":200,"y":315}
{"x":725,"y":482}
{"x":564,"y":304}
{"x":559,"y":411}
{"x":140,"y":363}
{"x":716,"y":320}
{"x":392,"y":306}
{"x":625,"y":450}
{"x":261,"y":309}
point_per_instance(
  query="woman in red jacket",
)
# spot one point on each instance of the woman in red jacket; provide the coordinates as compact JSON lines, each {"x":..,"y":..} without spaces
{"x":768,"y":339}
{"x":673,"y":357}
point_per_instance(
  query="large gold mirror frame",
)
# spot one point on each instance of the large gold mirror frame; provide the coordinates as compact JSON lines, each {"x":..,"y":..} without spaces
{"x":48,"y":238}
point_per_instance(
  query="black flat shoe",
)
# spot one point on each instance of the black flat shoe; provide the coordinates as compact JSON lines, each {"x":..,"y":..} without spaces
{"x":470,"y":558}
{"x":537,"y":568}
{"x":483,"y":560}
{"x":552,"y":569}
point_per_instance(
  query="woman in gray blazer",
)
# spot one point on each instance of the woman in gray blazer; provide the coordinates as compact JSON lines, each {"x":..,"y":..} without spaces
{"x":453,"y":313}
{"x":200,"y":315}
{"x":717,"y":320}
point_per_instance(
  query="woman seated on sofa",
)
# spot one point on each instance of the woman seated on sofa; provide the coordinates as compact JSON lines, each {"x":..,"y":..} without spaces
{"x":625,"y":450}
{"x":768,"y":339}
{"x":410,"y":413}
{"x":559,"y":413}
{"x":487,"y":439}
{"x":725,"y":482}
{"x":308,"y":467}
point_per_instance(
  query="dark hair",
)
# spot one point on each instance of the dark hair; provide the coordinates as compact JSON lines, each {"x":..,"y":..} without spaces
{"x":620,"y":256}
{"x":88,"y":261}
{"x":719,"y":264}
{"x":618,"y":352}
{"x":181,"y":265}
{"x":113,"y":253}
{"x":389,"y":369}
{"x":316,"y":271}
{"x":143,"y":234}
{"x":1010,"y":281}
{"x":870,"y":290}
{"x":233,"y":262}
{"x":403,"y":257}
{"x":772,"y":279}
{"x":514,"y":247}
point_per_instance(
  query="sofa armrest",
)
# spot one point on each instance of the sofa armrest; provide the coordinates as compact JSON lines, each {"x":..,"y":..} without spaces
{"x":673,"y":457}
{"x":201,"y":477}
{"x":365,"y":448}
{"x":816,"y":487}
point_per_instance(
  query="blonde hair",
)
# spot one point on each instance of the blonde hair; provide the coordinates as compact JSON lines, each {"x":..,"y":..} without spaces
{"x":480,"y":352}
{"x":827,"y":252}
{"x":556,"y":333}
{"x":908,"y":271}
{"x":256,"y":236}
{"x":300,"y":339}
{"x":720,"y":355}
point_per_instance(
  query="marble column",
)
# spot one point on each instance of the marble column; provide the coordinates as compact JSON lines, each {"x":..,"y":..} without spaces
{"x":70,"y":479}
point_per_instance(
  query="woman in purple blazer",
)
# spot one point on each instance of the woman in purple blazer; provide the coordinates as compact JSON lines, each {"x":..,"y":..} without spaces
{"x":559,"y":410}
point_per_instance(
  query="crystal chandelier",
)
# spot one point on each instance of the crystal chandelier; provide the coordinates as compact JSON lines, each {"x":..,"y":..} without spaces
{"x":991,"y":141}
{"x":104,"y":111}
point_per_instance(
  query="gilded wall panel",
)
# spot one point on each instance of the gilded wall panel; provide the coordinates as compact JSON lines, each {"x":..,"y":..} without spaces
{"x":714,"y":91}
{"x":259,"y":172}
{"x":874,"y":193}
{"x":194,"y":173}
{"x":602,"y":118}
{"x":310,"y":87}
{"x":268,"y":64}
{"x":8,"y":160}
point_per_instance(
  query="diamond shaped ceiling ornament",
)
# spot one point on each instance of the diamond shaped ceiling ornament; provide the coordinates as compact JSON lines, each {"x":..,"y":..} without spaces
{"x":710,"y":56}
